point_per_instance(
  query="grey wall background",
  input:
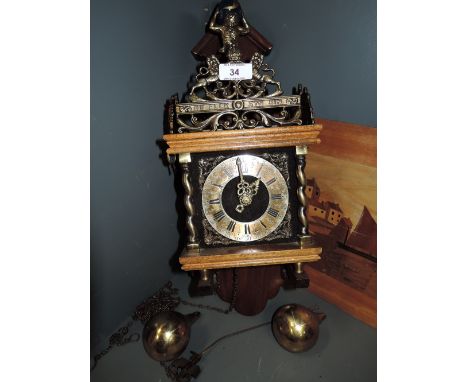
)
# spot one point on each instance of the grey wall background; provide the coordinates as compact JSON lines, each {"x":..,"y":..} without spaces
{"x":140,"y":55}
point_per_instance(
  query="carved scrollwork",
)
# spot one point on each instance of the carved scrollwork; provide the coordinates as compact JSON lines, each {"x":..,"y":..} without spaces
{"x":228,"y":105}
{"x":209,"y":86}
{"x":231,"y":120}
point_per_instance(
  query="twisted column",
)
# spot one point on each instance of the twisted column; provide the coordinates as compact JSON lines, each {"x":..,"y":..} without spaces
{"x":300,"y":191}
{"x":192,"y":237}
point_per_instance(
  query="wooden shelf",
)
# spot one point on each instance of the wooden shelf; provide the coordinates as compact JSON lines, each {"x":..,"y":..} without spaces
{"x":249,"y":256}
{"x":245,"y":139}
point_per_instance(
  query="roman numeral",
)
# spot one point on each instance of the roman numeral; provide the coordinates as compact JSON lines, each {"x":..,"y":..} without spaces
{"x":247,"y":229}
{"x":219,"y":215}
{"x":231,"y":226}
{"x":263,"y":224}
{"x":273,"y":212}
{"x":277,"y":196}
{"x":271,"y":181}
{"x":216,"y":185}
{"x":260,"y":169}
{"x":214,"y":201}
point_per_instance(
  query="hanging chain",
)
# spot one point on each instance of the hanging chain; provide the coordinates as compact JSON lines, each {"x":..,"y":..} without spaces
{"x":117,"y":339}
{"x":235,"y":291}
{"x":164,"y":300}
{"x":235,"y":287}
{"x":206,"y":307}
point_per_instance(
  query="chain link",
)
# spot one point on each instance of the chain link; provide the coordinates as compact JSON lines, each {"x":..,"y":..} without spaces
{"x":117,"y":339}
{"x":206,"y":307}
{"x":164,"y":300}
{"x":235,"y":287}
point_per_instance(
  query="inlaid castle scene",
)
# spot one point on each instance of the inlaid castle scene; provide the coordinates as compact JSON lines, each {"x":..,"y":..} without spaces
{"x":349,"y":253}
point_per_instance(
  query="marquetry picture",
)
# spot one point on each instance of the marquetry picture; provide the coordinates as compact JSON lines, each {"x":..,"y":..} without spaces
{"x":342,"y":215}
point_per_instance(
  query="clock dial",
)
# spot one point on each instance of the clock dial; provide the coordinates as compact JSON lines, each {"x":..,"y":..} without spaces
{"x":245,"y":198}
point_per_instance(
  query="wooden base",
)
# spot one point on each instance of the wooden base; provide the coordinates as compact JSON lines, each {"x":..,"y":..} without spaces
{"x":255,"y":286}
{"x":249,"y":256}
{"x":357,"y":304}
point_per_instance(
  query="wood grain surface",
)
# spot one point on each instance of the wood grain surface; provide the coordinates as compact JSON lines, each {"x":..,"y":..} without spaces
{"x":356,"y":303}
{"x":248,"y":256}
{"x":342,"y":140}
{"x":265,"y":281}
{"x":344,"y":165}
{"x":245,"y":139}
{"x":351,"y":185}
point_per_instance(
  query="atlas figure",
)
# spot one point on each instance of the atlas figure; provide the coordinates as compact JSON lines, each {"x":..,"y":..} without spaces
{"x":229,"y":22}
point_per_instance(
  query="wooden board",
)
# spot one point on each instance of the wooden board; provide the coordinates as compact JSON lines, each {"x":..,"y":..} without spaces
{"x":342,"y":140}
{"x":356,"y":303}
{"x":351,"y":184}
{"x":344,"y":169}
{"x":345,"y":165}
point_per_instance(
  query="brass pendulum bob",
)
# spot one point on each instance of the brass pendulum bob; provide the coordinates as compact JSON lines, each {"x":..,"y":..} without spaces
{"x":295,"y":327}
{"x":167,"y":334}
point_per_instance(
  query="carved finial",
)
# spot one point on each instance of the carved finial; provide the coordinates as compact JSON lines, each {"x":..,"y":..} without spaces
{"x":228,"y":20}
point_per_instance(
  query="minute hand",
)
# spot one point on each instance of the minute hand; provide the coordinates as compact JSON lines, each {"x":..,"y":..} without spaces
{"x":239,"y":167}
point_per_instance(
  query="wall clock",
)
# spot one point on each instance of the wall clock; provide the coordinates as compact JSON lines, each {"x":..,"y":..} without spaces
{"x":241,"y":146}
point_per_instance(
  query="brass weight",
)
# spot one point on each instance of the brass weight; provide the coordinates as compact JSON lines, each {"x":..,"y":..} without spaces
{"x":295,"y":327}
{"x":167,"y":334}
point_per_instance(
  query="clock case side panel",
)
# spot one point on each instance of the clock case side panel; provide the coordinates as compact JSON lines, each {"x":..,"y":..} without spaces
{"x":203,"y":163}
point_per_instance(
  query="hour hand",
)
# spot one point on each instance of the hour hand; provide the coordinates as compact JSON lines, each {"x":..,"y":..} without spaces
{"x":239,"y":167}
{"x":242,"y":189}
{"x":245,"y":191}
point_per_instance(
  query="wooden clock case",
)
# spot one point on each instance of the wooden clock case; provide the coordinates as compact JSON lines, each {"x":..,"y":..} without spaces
{"x":204,"y":259}
{"x":258,"y":119}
